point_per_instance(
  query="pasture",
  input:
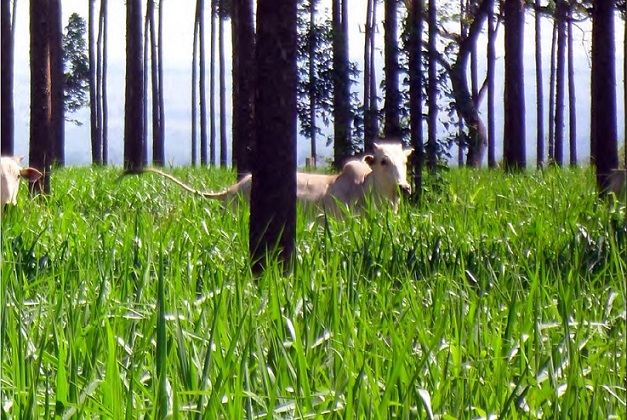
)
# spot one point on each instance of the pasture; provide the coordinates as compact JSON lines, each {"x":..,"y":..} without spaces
{"x":500,"y":295}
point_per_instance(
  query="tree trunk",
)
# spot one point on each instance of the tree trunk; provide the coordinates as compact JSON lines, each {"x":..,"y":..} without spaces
{"x":201,"y":83}
{"x":96,"y":143}
{"x":369,"y":117}
{"x":539,"y":90}
{"x":572,"y":110}
{"x":158,"y":152}
{"x":134,"y":101}
{"x":223,"y":146}
{"x":212,"y":85}
{"x":415,"y":23}
{"x":342,"y":147}
{"x":490,"y":79}
{"x":194,"y":104}
{"x":243,"y":86}
{"x":392,"y":128}
{"x":145,"y":67}
{"x":6,"y":85}
{"x":161,"y":100}
{"x":103,"y":108}
{"x":514,"y":126}
{"x":41,"y":138}
{"x":57,"y":108}
{"x":273,"y":195}
{"x":603,"y":132}
{"x":551,"y":156}
{"x":560,"y":93}
{"x":313,"y":44}
{"x":432,"y":90}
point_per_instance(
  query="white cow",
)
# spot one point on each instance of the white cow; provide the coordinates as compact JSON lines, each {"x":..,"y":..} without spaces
{"x":381,"y":176}
{"x":10,"y":173}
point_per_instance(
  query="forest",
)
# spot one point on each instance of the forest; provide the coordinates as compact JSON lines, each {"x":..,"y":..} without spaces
{"x":496,"y":290}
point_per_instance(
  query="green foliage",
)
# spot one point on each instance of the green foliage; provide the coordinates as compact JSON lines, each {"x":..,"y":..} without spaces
{"x":76,"y":76}
{"x":500,"y":296}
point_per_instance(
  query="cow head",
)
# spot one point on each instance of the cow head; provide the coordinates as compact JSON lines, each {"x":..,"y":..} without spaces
{"x":11,"y":171}
{"x":389,"y":168}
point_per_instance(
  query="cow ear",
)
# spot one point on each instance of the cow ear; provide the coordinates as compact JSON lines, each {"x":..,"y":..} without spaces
{"x":408,"y":151}
{"x":369,"y":159}
{"x":18,"y":159}
{"x":31,"y":174}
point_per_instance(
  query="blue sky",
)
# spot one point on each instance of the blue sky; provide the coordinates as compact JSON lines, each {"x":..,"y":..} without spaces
{"x":178,"y":37}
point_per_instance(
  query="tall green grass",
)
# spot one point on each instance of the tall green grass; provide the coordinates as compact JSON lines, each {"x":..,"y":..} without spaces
{"x":499,"y":295}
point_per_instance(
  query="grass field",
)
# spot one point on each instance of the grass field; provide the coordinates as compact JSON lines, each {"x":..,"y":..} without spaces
{"x":499,"y":296}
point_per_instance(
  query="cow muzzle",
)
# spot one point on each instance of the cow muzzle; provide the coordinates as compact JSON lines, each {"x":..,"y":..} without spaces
{"x":405,"y":189}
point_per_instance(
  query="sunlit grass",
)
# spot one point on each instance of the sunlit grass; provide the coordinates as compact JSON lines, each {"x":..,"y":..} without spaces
{"x":499,"y":295}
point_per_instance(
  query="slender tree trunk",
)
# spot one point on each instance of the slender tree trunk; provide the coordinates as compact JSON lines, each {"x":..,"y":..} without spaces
{"x":603,"y":132}
{"x":145,"y":67}
{"x":432,"y":90}
{"x":341,"y":85}
{"x":243,"y":86}
{"x":560,"y":91}
{"x":415,"y":92}
{"x":194,"y":81}
{"x":6,"y":86}
{"x":572,"y":110}
{"x":134,"y":102}
{"x":392,"y":128}
{"x":490,"y":79}
{"x":41,"y":135}
{"x":103,"y":107}
{"x":223,"y":142}
{"x":96,"y":143}
{"x":212,"y":85}
{"x":369,"y":134}
{"x":373,"y":106}
{"x":539,"y":89}
{"x":161,"y":147}
{"x":57,"y":108}
{"x":551,"y":157}
{"x":273,"y":195}
{"x":202,"y":84}
{"x":158,"y":152}
{"x":313,"y":44}
{"x":514,"y":128}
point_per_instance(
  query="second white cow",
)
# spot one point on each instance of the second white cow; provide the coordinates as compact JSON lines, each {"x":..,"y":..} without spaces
{"x":382,"y":176}
{"x":10,"y":173}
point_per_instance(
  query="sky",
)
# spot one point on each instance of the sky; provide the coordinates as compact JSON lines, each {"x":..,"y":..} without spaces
{"x":178,"y":36}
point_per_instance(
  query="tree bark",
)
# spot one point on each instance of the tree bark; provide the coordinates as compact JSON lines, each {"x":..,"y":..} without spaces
{"x":603,"y":132}
{"x":539,"y":90}
{"x":134,"y":101}
{"x":273,"y":195}
{"x":514,"y":152}
{"x":96,"y":138}
{"x":194,"y":104}
{"x":431,"y":147}
{"x":341,"y":85}
{"x":223,"y":142}
{"x":201,"y":83}
{"x":490,"y":79}
{"x":392,"y":128}
{"x":6,"y":85}
{"x":572,"y":109}
{"x":158,"y":152}
{"x":41,"y":138}
{"x":560,"y":92}
{"x":212,"y":85}
{"x":551,"y":139}
{"x":415,"y":23}
{"x":103,"y":107}
{"x":369,"y":116}
{"x":243,"y":86}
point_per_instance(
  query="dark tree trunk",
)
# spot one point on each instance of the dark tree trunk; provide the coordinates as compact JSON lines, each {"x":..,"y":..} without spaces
{"x":103,"y":108}
{"x":134,"y":101}
{"x":603,"y":132}
{"x":415,"y":23}
{"x":194,"y":104}
{"x":560,"y":91}
{"x":273,"y":196}
{"x":392,"y":128}
{"x":96,"y":137}
{"x":145,"y":67}
{"x":369,"y":117}
{"x":201,"y":83}
{"x":41,"y":135}
{"x":342,"y":147}
{"x":551,"y":156}
{"x":212,"y":85}
{"x":57,"y":108}
{"x":313,"y":46}
{"x":466,"y":106}
{"x":431,"y":147}
{"x":6,"y":85}
{"x":158,"y":152}
{"x":243,"y":86}
{"x":514,"y":153}
{"x":572,"y":110}
{"x":539,"y":90}
{"x":223,"y":142}
{"x":490,"y":79}
{"x":161,"y":147}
